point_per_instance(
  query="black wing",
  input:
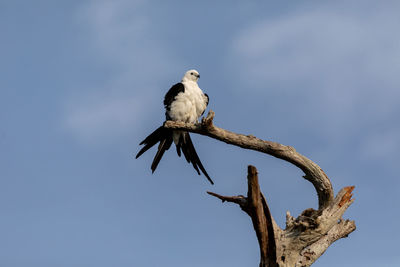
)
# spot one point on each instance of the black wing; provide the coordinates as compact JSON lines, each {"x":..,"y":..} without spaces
{"x":207,"y":99}
{"x":162,"y":135}
{"x":157,"y":136}
{"x":170,"y":96}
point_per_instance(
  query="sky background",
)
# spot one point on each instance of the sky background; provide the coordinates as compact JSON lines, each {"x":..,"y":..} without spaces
{"x":82,"y":83}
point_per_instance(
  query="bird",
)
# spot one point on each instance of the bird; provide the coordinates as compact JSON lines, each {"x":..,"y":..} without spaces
{"x":184,"y":102}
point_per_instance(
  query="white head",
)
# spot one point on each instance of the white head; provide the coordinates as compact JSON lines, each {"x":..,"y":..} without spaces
{"x":191,"y":75}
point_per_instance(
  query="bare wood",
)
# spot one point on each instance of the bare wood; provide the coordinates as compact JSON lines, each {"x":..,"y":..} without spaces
{"x":256,"y":207}
{"x":306,"y":237}
{"x":312,"y":171}
{"x":240,"y":200}
{"x":260,"y":221}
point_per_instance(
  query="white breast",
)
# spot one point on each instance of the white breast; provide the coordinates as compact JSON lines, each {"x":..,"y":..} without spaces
{"x":189,"y":105}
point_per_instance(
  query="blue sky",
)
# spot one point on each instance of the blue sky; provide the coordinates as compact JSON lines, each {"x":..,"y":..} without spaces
{"x":82,"y":83}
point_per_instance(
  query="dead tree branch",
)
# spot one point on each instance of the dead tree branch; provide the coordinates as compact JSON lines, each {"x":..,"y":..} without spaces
{"x":256,"y":207}
{"x":312,"y":171}
{"x":305,"y":238}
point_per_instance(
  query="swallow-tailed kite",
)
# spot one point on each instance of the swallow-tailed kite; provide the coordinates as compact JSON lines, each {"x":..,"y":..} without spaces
{"x":184,"y":102}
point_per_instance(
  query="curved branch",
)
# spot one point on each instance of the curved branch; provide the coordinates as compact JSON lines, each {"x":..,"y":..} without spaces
{"x":306,"y":237}
{"x":312,"y":171}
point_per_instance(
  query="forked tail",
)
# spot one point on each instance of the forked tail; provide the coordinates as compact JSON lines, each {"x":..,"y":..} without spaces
{"x":165,"y":137}
{"x":185,"y":145}
{"x":162,"y":135}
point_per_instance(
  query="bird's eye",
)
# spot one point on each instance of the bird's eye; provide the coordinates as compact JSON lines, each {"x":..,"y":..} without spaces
{"x":191,"y":73}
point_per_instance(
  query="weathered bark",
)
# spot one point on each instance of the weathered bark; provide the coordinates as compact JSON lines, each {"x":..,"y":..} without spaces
{"x":305,"y":238}
{"x":312,"y":171}
{"x":256,"y":207}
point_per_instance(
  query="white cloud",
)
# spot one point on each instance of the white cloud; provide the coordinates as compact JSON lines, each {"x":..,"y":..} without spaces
{"x":345,"y":64}
{"x":321,"y":46}
{"x":123,"y":39}
{"x":124,"y":34}
{"x":98,"y":118}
